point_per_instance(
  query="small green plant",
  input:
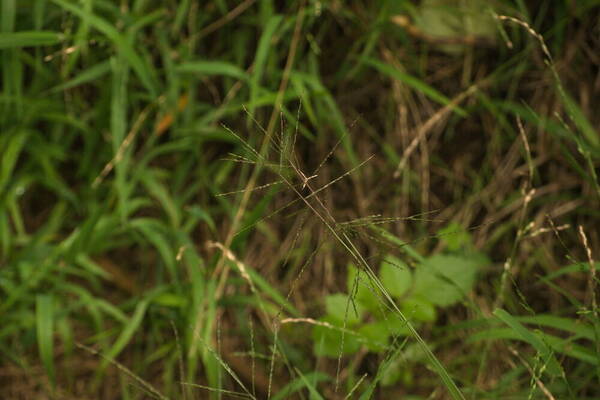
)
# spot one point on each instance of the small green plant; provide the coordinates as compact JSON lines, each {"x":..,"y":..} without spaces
{"x":359,"y":317}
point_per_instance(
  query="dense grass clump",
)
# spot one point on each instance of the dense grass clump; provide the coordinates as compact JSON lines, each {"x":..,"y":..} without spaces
{"x":303,"y":199}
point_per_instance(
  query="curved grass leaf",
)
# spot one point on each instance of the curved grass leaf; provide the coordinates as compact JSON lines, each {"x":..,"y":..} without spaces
{"x":90,"y":74}
{"x":414,"y":83}
{"x":140,"y":67}
{"x":553,"y":366}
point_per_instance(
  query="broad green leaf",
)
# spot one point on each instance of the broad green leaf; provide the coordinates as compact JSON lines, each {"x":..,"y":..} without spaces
{"x":444,"y":279}
{"x":394,"y":324}
{"x":451,"y":19}
{"x":419,"y":309}
{"x":376,"y":336}
{"x":341,"y":307}
{"x":395,"y":276}
{"x":327,"y":340}
{"x":455,"y":236}
{"x":361,"y":290}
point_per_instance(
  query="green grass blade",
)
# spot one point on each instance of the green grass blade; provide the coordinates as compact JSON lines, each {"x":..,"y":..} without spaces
{"x":11,"y":40}
{"x":414,"y":83}
{"x":583,"y":124}
{"x":155,"y":233}
{"x":11,"y":147}
{"x":260,"y":59}
{"x":120,"y":42}
{"x":542,"y":348}
{"x":314,"y":393}
{"x":212,"y":68}
{"x":127,"y":334}
{"x":96,"y":71}
{"x":44,"y":317}
{"x":298,"y":383}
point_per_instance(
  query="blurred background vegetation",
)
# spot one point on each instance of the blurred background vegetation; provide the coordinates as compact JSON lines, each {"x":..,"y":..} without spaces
{"x":302,"y":199}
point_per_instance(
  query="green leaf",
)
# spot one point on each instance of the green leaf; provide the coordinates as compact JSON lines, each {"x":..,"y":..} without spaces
{"x":560,"y":345}
{"x":299,"y":383}
{"x":377,"y":336}
{"x":455,"y":236}
{"x":583,"y":124}
{"x":395,"y":325}
{"x":314,"y":393}
{"x":341,"y":307}
{"x":11,"y":146}
{"x":96,"y":71}
{"x":450,"y":19}
{"x":266,"y":288}
{"x":445,"y":279}
{"x":120,"y":42}
{"x":156,"y":234}
{"x":362,"y":292}
{"x":212,"y":68}
{"x":13,"y":40}
{"x":414,"y":83}
{"x":44,"y":317}
{"x":127,"y":334}
{"x":399,"y":243}
{"x":327,"y":340}
{"x":263,"y":49}
{"x":156,"y":188}
{"x":552,"y":365}
{"x":170,"y":300}
{"x":395,"y":276}
{"x":419,"y":309}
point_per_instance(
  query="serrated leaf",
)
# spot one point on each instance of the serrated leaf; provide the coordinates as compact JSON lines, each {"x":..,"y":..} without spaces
{"x":395,"y":276}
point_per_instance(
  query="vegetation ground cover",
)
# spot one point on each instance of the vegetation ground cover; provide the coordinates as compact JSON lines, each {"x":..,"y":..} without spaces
{"x":303,"y":199}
